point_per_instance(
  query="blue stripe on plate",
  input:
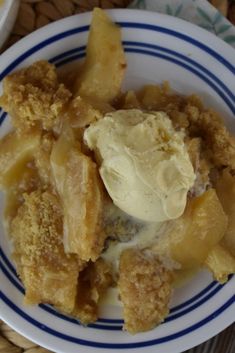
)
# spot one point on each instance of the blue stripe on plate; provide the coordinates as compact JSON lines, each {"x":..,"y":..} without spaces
{"x":69,"y":59}
{"x":187,"y":59}
{"x":194,"y":298}
{"x":8,"y":263}
{"x":67,"y":318}
{"x":2,"y":117}
{"x":104,"y":320}
{"x":183,"y":37}
{"x":83,"y":342}
{"x":189,"y":68}
{"x":50,"y":310}
{"x":144,"y":26}
{"x":11,"y":279}
{"x":40,"y":46}
{"x":168,"y":58}
{"x":70,"y":53}
{"x":54,"y":312}
{"x":195,"y":306}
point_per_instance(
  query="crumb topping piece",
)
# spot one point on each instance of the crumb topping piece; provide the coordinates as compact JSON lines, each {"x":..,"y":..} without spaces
{"x":49,"y":275}
{"x":145,"y":289}
{"x":220,"y":144}
{"x":34,"y":97}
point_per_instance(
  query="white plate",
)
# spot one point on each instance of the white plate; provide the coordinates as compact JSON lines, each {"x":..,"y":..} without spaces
{"x":8,"y":12}
{"x":158,"y":48}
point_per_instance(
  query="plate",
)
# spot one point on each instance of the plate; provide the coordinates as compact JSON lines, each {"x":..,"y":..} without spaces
{"x":158,"y":48}
{"x":8,"y":12}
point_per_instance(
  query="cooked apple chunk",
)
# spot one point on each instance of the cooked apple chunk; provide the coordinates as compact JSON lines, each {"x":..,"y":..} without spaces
{"x":26,"y":182}
{"x":92,"y":283}
{"x":15,"y":152}
{"x":103,"y":71}
{"x":49,"y":275}
{"x":145,"y":289}
{"x":201,"y":227}
{"x":225,"y":188}
{"x":81,"y":113}
{"x":42,"y":159}
{"x":79,"y":186}
{"x":191,"y":237}
{"x":221,"y":263}
{"x":59,"y":156}
{"x":83,"y":206}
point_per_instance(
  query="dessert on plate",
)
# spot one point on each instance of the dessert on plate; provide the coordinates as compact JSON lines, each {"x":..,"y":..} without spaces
{"x":109,"y":189}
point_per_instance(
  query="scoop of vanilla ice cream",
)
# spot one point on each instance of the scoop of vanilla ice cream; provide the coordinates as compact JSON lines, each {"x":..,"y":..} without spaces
{"x":144,"y":163}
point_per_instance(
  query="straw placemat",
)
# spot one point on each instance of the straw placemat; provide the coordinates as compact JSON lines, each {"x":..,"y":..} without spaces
{"x":34,"y":14}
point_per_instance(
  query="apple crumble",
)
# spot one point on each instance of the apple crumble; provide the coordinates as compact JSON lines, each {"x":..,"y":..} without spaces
{"x":105,"y":188}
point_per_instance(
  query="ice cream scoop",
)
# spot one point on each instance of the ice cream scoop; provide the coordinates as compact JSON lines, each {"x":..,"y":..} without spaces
{"x":144,"y":163}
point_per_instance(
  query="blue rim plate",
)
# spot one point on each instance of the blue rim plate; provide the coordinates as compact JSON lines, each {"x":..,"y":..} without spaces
{"x":8,"y":13}
{"x":158,"y":48}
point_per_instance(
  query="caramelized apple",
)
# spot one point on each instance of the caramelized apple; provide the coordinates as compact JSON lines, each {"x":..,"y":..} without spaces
{"x":42,"y":158}
{"x":78,"y":184}
{"x":26,"y":182}
{"x":192,"y":236}
{"x":59,"y":157}
{"x":83,"y":201}
{"x":93,"y":281}
{"x":82,"y":112}
{"x":225,"y":188}
{"x":201,"y":227}
{"x":221,"y":263}
{"x":15,"y":152}
{"x":105,"y":62}
{"x":152,"y":97}
{"x":130,"y":101}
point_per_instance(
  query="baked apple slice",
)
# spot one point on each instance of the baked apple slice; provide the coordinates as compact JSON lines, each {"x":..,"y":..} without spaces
{"x":191,"y":237}
{"x":80,"y":188}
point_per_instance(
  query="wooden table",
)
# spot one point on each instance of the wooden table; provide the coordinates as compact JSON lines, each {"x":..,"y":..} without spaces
{"x":34,"y":14}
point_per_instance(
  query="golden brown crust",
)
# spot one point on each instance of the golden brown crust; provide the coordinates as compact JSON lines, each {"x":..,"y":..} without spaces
{"x":81,"y":113}
{"x":145,"y":290}
{"x":189,"y":114}
{"x":218,"y":142}
{"x":49,"y":275}
{"x":201,"y":166}
{"x":34,"y":97}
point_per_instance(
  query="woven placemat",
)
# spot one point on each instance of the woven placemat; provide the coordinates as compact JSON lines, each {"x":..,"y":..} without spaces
{"x":34,"y":14}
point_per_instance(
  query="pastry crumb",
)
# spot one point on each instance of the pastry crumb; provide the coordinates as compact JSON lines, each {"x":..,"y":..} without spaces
{"x":34,"y":97}
{"x":49,"y":275}
{"x":145,"y":289}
